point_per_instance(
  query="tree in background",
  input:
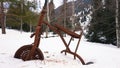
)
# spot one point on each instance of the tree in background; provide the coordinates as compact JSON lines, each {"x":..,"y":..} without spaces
{"x":2,"y":17}
{"x":20,"y":14}
{"x":49,"y":16}
{"x":102,"y":27}
{"x":117,"y":17}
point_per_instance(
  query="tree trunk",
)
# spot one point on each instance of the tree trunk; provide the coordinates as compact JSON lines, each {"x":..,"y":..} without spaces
{"x":48,"y":19}
{"x":21,"y":24}
{"x":117,"y":24}
{"x":21,"y":20}
{"x":73,"y":17}
{"x":2,"y":17}
{"x":65,"y":14}
{"x":30,"y":26}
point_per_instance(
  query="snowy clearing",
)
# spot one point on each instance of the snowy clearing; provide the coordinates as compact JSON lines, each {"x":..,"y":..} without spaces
{"x":103,"y":55}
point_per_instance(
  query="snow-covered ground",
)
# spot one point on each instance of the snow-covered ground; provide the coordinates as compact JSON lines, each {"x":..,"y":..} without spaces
{"x":103,"y":56}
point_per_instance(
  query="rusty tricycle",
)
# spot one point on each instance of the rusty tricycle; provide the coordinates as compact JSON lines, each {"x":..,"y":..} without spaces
{"x":32,"y":52}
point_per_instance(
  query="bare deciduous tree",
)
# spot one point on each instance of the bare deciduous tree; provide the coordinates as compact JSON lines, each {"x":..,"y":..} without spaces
{"x":65,"y":8}
{"x":117,"y":24}
{"x":2,"y":17}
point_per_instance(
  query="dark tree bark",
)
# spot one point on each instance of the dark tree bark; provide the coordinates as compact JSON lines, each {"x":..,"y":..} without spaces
{"x":2,"y":17}
{"x":117,"y":24}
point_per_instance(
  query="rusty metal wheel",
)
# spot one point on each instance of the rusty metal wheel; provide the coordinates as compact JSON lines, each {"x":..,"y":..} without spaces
{"x":22,"y":53}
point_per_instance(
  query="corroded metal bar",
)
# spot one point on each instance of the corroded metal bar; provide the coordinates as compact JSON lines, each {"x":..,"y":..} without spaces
{"x":67,"y":31}
{"x":37,"y":32}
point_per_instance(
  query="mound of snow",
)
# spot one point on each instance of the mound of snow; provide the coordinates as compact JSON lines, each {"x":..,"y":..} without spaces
{"x":102,"y":55}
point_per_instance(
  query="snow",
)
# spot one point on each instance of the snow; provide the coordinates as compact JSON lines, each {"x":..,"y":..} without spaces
{"x":103,"y":55}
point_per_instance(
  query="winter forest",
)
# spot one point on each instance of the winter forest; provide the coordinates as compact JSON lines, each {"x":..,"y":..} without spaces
{"x":98,"y":21}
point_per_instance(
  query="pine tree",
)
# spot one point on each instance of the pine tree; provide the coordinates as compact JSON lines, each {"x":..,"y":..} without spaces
{"x":102,"y":26}
{"x":19,"y":15}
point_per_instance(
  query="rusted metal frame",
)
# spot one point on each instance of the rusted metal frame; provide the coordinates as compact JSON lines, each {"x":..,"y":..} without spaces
{"x":76,"y":46}
{"x":67,"y":31}
{"x":58,"y":32}
{"x":66,"y":45}
{"x":35,"y":44}
{"x":78,"y":43}
{"x":70,"y":39}
{"x":68,"y":49}
{"x":73,"y":53}
{"x":78,"y":56}
{"x":37,"y":33}
{"x":69,"y":42}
